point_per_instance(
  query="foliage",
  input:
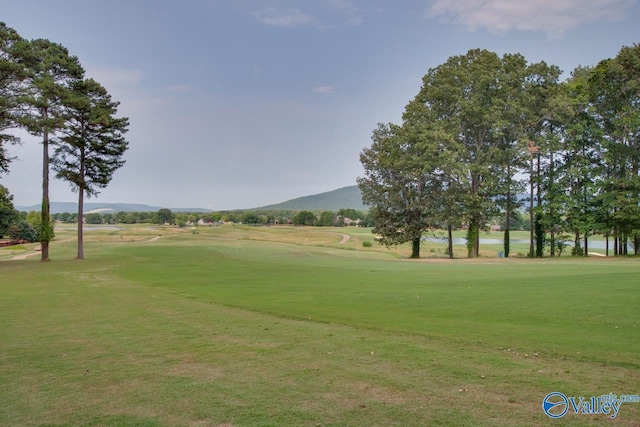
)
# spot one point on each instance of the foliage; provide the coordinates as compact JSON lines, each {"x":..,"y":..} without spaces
{"x":252,"y":218}
{"x":304,"y":218}
{"x":400,"y":184}
{"x":327,"y":219}
{"x":93,"y":218}
{"x":8,"y":214}
{"x":12,"y":74}
{"x":480,"y":121}
{"x":34,"y":218}
{"x":164,"y":216}
{"x":22,"y":232}
{"x":93,"y":142}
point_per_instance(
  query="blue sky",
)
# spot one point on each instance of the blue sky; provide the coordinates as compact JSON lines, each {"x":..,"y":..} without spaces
{"x":244,"y":103}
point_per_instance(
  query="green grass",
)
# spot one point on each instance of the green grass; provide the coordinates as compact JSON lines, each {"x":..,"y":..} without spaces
{"x":277,"y":326}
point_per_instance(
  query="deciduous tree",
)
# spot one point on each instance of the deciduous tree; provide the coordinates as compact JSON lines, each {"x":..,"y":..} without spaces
{"x":8,"y":214}
{"x":399,"y":184}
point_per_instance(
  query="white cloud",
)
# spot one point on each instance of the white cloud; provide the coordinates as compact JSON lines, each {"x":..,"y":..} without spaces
{"x":553,"y":17}
{"x":323,"y":89}
{"x":290,"y":19}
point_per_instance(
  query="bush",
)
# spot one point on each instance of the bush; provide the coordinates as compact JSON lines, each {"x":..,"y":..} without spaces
{"x":367,"y":244}
{"x":23,"y":232}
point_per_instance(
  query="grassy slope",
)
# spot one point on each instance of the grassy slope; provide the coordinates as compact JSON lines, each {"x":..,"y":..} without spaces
{"x":239,"y":326}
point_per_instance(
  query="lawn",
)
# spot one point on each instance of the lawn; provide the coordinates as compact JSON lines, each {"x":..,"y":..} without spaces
{"x":271,"y":326}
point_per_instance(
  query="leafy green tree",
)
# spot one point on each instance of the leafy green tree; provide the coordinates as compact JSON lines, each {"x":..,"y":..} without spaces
{"x":581,"y":162}
{"x":304,"y":218}
{"x":536,"y":114}
{"x":65,"y":217}
{"x":350,"y":213}
{"x":464,"y":95}
{"x":165,"y":216}
{"x":92,"y":143}
{"x":34,"y":218}
{"x":120,"y":217}
{"x":399,"y":184}
{"x":512,"y":122}
{"x":251,"y":218}
{"x":616,"y":85}
{"x":327,"y":219}
{"x":133,"y":218}
{"x":52,"y":71}
{"x":92,"y":218}
{"x":485,"y":106}
{"x":8,"y":214}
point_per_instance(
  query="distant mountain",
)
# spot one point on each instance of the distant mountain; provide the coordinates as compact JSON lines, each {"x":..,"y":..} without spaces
{"x":346,"y":197}
{"x":71,"y":207}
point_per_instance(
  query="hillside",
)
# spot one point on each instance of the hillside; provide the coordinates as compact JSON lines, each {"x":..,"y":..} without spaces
{"x":346,"y":197}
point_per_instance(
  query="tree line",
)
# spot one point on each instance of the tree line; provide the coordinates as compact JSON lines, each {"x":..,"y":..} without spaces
{"x":342,"y":217}
{"x":44,"y":91}
{"x":484,"y":129}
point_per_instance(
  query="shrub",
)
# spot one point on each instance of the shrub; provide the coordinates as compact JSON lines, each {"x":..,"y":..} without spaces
{"x":23,"y":232}
{"x":367,"y":244}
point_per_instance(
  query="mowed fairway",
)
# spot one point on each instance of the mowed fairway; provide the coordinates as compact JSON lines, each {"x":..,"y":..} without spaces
{"x":284,"y":326}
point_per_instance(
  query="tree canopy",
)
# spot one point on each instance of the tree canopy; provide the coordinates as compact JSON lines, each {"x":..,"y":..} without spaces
{"x":481,"y":123}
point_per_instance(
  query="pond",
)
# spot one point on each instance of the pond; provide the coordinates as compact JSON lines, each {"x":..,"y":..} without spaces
{"x":593,"y":244}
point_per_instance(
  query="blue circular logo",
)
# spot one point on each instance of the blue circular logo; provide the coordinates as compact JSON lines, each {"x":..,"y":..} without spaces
{"x":555,"y":404}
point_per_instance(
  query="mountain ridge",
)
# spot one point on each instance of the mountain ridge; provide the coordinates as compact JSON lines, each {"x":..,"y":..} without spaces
{"x":342,"y":198}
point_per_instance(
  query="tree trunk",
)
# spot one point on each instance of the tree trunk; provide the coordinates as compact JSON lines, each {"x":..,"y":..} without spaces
{"x":586,"y":245}
{"x":450,"y":235}
{"x":607,"y":245}
{"x":80,"y":223}
{"x":531,"y":249}
{"x":507,"y":242}
{"x":552,"y":236}
{"x":473,"y":239}
{"x":539,"y":228}
{"x":45,"y":233}
{"x":539,"y":235}
{"x":415,"y":248}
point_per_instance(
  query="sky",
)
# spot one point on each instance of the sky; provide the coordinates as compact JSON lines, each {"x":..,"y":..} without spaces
{"x":237,"y":104}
